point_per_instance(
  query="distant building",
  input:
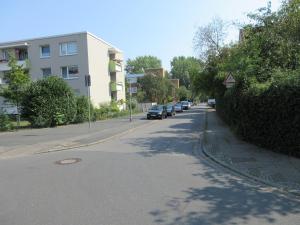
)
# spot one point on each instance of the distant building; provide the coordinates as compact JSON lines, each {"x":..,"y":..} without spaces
{"x":175,"y":82}
{"x":158,"y":72}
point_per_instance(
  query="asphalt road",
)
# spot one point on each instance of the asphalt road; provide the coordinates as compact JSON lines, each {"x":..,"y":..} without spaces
{"x":153,"y":175}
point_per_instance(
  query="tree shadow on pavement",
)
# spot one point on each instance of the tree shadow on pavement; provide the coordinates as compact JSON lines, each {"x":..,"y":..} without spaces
{"x":227,"y":200}
{"x":223,"y":199}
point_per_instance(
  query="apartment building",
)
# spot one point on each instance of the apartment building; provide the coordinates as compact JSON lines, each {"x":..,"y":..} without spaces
{"x":70,"y":56}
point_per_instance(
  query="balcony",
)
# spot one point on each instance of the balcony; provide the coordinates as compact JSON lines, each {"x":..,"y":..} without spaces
{"x":114,"y":66}
{"x":4,"y":64}
{"x":113,"y":86}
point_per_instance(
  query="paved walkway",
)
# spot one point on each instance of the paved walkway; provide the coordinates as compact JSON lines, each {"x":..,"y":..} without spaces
{"x":32,"y":141}
{"x":260,"y":164}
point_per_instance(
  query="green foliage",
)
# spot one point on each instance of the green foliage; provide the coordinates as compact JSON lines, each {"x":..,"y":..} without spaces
{"x":183,"y":94}
{"x":112,"y":66}
{"x":141,"y":96}
{"x":5,"y":122}
{"x":141,"y":63}
{"x":155,"y":88}
{"x":185,"y":69}
{"x":113,"y":86}
{"x":82,"y":109}
{"x":263,"y":106}
{"x":18,"y":80}
{"x":269,"y":117}
{"x":106,"y":111}
{"x":270,"y":43}
{"x":133,"y":104}
{"x":49,"y":102}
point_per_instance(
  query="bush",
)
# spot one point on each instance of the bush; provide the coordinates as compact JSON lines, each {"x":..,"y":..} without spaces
{"x":5,"y":123}
{"x":107,"y":111}
{"x":49,"y":102}
{"x":267,"y":116}
{"x":133,"y":104}
{"x":82,"y":109}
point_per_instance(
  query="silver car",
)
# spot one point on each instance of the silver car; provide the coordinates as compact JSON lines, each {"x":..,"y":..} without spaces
{"x":178,"y":107}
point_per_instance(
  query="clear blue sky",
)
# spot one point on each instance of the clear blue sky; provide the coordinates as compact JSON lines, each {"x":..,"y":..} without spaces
{"x":163,"y":28}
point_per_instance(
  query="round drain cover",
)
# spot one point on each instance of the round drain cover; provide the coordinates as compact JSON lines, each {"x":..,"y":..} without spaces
{"x":68,"y":161}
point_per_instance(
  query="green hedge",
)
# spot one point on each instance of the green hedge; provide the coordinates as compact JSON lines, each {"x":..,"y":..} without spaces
{"x":49,"y":102}
{"x":269,"y":117}
{"x":82,"y":109}
{"x":5,"y":122}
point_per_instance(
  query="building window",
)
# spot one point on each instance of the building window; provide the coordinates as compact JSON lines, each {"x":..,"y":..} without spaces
{"x":46,"y":72}
{"x":68,"y":48}
{"x":45,"y":51}
{"x":69,"y":72}
{"x":4,"y":56}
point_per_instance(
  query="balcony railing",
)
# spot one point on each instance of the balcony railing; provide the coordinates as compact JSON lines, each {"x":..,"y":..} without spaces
{"x":5,"y":67}
{"x":114,"y":66}
{"x":113,"y":86}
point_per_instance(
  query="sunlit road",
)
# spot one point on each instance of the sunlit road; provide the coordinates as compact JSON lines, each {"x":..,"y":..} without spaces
{"x":156,"y":174}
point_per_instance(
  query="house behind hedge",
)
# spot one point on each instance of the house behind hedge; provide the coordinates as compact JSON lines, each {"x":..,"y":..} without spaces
{"x":71,"y":56}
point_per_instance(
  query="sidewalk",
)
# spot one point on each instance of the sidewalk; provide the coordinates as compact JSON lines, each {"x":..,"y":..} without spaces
{"x":33,"y":141}
{"x":277,"y":170}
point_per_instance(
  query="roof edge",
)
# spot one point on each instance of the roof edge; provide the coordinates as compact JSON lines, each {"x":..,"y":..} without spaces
{"x":61,"y":35}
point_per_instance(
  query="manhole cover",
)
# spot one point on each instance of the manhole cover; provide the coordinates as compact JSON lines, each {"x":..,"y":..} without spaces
{"x":68,"y":161}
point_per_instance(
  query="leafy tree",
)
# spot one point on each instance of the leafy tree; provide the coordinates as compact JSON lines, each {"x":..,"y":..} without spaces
{"x":271,"y":46}
{"x":155,"y":88}
{"x":49,"y":102}
{"x":18,"y":80}
{"x":262,"y":106}
{"x":185,"y":69}
{"x":139,"y":64}
{"x":209,"y":39}
{"x":183,"y":94}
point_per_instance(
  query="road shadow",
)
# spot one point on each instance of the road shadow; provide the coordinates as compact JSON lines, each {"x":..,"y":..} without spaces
{"x":227,"y":201}
{"x":177,"y":138}
{"x":223,"y":199}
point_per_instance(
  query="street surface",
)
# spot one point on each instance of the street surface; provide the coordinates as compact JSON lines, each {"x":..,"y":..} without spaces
{"x":155,"y":174}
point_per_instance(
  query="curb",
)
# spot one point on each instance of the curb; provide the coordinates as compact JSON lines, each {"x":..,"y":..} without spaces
{"x":95,"y":142}
{"x":240,"y":173}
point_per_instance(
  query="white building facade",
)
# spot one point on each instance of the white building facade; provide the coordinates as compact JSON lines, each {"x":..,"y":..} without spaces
{"x":70,"y":56}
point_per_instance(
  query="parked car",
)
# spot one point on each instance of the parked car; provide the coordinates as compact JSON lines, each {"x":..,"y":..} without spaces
{"x":170,"y":110}
{"x":211,"y":102}
{"x":158,"y":112}
{"x":178,"y":107}
{"x":185,"y":105}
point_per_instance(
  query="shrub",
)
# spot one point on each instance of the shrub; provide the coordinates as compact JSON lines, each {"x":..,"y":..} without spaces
{"x":106,"y":111}
{"x":49,"y":102}
{"x":133,"y":104}
{"x":5,"y":123}
{"x":82,"y":109}
{"x":267,"y":116}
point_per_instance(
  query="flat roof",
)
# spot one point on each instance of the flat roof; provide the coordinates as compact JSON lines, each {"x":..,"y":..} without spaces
{"x":8,"y":43}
